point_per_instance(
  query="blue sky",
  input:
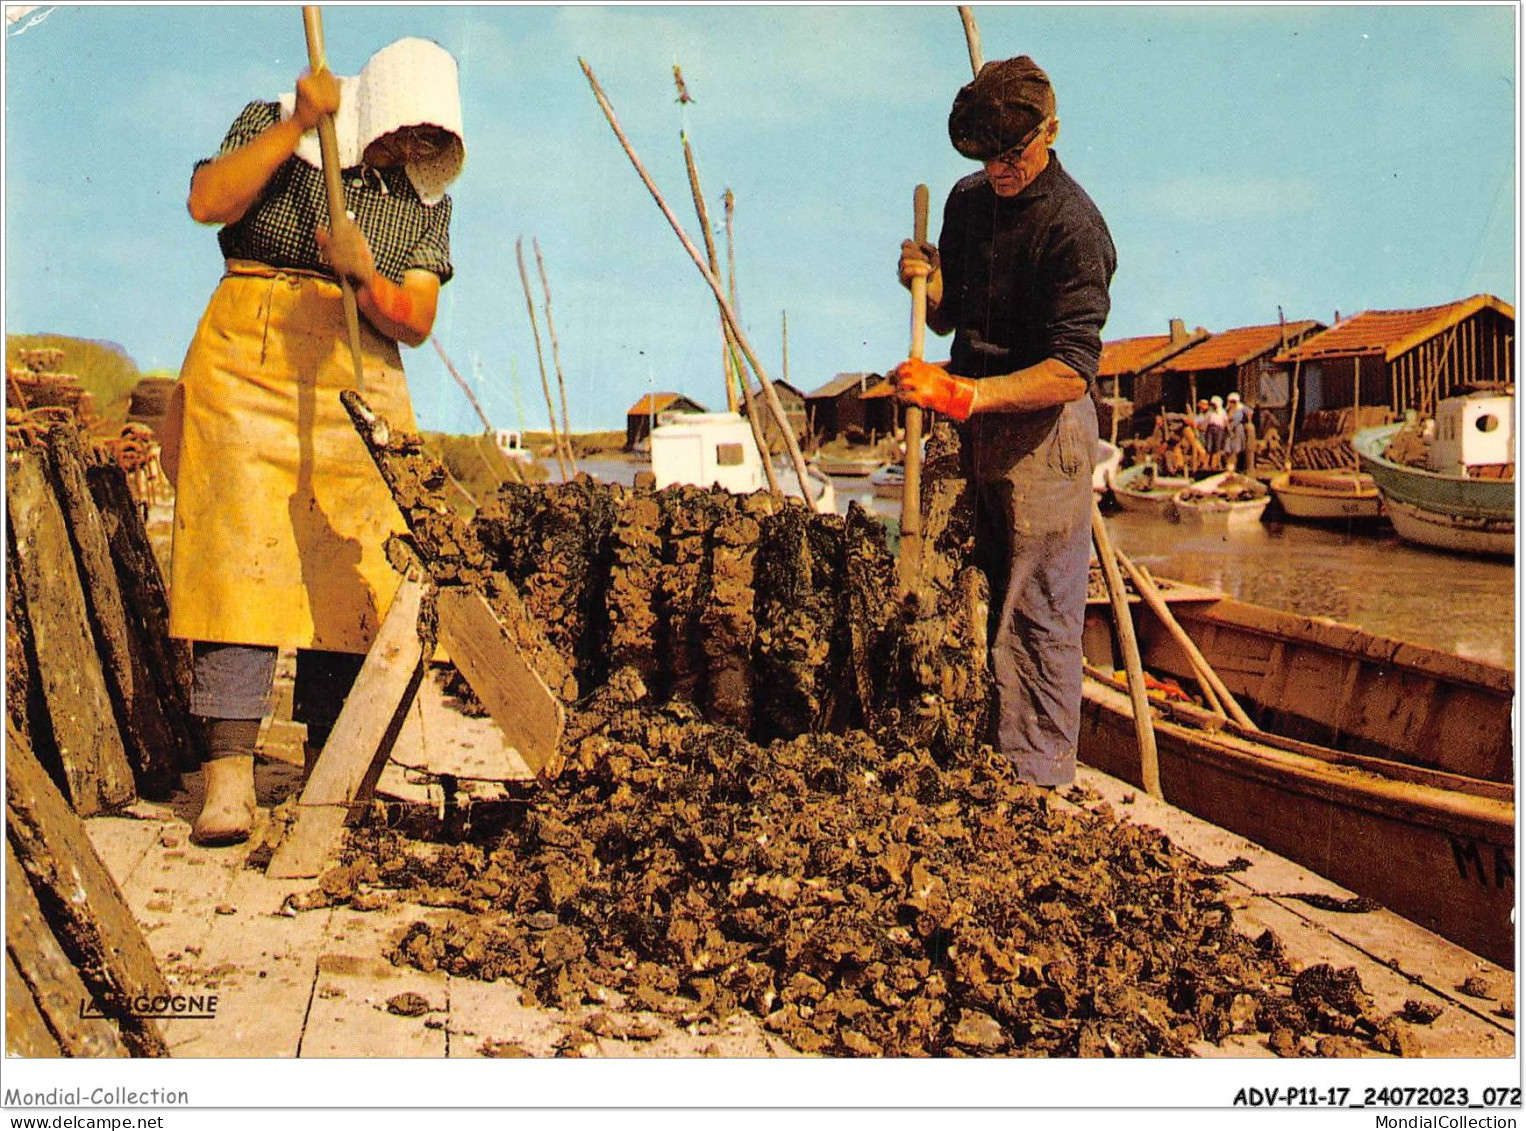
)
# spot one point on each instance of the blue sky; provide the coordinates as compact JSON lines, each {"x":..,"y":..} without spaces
{"x":1322,"y":158}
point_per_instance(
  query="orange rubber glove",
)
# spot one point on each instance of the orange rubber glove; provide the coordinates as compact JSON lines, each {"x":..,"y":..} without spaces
{"x":932,"y":386}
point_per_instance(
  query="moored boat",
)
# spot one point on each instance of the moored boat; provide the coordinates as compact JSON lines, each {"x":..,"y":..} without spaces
{"x":1226,"y":499}
{"x":1326,"y":496}
{"x":1463,"y":496}
{"x":849,"y":464}
{"x":1385,"y":766}
{"x":1109,"y":459}
{"x":887,"y":481}
{"x":1140,"y":488}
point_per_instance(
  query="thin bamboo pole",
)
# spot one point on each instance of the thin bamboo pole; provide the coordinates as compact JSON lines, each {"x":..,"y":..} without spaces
{"x":911,"y":487}
{"x":1287,"y":463}
{"x":728,"y":199}
{"x":784,"y":333}
{"x":556,"y":357}
{"x":733,"y":366}
{"x":545,"y":384}
{"x":727,"y":372}
{"x":460,"y":380}
{"x":770,"y":395}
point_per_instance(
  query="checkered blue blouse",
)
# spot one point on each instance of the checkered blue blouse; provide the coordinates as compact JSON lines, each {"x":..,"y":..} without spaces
{"x":403,"y":232}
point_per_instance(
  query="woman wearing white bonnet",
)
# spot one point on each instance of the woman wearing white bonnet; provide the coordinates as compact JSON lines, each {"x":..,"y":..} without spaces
{"x":280,"y":515}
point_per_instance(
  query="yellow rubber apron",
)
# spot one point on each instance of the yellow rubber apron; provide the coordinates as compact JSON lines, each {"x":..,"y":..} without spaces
{"x":280,"y":513}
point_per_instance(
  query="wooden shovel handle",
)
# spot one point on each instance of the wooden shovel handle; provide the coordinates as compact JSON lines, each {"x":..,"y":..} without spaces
{"x":328,"y":145}
{"x":911,"y":487}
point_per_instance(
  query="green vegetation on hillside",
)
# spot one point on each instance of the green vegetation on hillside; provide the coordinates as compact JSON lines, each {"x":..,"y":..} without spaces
{"x":476,"y":463}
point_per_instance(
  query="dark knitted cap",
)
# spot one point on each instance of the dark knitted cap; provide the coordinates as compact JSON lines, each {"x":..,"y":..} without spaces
{"x":1001,"y":107}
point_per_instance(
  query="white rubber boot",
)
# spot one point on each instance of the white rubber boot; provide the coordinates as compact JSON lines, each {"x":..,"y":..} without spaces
{"x":227,"y":810}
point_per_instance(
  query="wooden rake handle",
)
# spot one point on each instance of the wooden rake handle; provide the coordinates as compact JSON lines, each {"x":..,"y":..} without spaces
{"x":328,"y":145}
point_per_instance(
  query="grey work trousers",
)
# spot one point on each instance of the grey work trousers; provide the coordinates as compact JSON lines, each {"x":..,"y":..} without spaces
{"x":1032,"y":475}
{"x":233,"y":681}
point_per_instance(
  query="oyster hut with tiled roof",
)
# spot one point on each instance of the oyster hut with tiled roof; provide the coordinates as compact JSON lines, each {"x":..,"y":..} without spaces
{"x":1122,"y":373}
{"x":838,"y":407}
{"x":1406,"y":358}
{"x":639,"y":417}
{"x":1233,"y":361}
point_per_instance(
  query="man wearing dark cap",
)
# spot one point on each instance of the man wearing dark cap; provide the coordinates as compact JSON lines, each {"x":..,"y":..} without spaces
{"x":1020,"y":276}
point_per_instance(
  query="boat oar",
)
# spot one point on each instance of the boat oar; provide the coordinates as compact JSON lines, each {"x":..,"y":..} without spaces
{"x":1147,"y":589}
{"x":911,"y":487}
{"x":1144,"y":725}
{"x":328,"y":145}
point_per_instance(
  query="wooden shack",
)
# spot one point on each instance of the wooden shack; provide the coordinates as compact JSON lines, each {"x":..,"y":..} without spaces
{"x":639,"y":417}
{"x":793,"y":402}
{"x":1126,"y":388}
{"x":883,"y":414}
{"x":1405,"y":359}
{"x":1234,"y":361}
{"x":837,"y":408}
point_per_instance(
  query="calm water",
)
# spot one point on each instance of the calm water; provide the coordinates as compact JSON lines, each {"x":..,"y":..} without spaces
{"x":1363,"y":577}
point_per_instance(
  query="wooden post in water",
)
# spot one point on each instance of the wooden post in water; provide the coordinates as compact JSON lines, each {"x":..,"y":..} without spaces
{"x":545,"y":384}
{"x":556,"y":359}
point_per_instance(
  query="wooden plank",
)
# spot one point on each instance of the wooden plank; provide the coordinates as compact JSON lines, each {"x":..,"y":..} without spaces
{"x":524,"y":708}
{"x":483,"y":1012}
{"x":261,"y":964}
{"x":79,"y":708}
{"x":86,"y":908}
{"x":368,"y":725}
{"x":349,"y":1015}
{"x":141,"y":719}
{"x":146,"y":605}
{"x":51,"y":982}
{"x":26,"y":1033}
{"x":124,"y":844}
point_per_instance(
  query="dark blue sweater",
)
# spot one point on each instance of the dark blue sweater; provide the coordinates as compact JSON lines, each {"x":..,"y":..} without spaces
{"x":1025,"y":278}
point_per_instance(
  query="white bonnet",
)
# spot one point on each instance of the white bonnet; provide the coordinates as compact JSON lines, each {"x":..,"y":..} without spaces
{"x":412,"y":82}
{"x":1218,"y":402}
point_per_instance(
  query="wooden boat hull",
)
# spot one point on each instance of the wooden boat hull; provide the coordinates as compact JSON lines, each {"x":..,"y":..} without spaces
{"x":1383,"y":765}
{"x":1157,"y":500}
{"x":1336,"y":498}
{"x":1444,"y":862}
{"x":1218,"y":512}
{"x":1448,"y":512}
{"x":1458,"y":533}
{"x":848,"y":467}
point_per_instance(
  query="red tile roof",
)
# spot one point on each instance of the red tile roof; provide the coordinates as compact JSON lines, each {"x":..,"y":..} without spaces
{"x":1389,"y":333}
{"x":1236,"y":347}
{"x":1135,"y":355}
{"x":653,"y":403}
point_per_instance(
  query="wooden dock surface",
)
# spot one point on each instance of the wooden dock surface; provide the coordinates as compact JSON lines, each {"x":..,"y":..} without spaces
{"x":318,"y":983}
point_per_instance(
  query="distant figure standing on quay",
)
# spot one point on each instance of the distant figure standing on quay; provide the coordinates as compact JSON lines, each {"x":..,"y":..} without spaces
{"x":1213,"y":433}
{"x":1237,"y":418}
